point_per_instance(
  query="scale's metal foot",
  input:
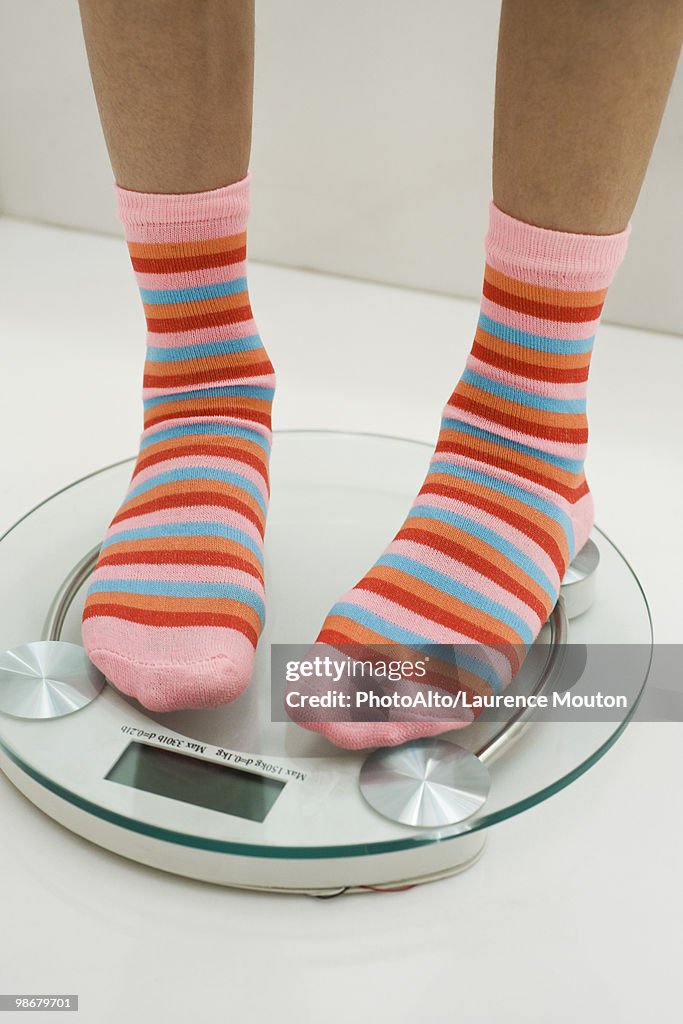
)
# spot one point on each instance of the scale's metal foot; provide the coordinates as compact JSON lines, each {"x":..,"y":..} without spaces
{"x":425,"y":783}
{"x":47,"y":679}
{"x":578,"y":586}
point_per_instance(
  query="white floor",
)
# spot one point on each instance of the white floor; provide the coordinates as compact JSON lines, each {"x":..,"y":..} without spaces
{"x":574,"y":911}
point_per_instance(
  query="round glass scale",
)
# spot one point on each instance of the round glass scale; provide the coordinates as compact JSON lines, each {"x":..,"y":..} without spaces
{"x":230,"y":796}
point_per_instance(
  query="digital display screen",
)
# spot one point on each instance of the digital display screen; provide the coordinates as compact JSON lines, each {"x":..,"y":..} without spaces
{"x":217,"y":787}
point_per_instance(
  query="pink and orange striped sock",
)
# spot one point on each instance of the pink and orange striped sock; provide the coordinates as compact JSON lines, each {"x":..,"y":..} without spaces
{"x":176,"y":603}
{"x":505,"y":504}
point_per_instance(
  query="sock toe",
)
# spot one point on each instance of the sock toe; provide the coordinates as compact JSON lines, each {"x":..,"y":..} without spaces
{"x":213,"y":677}
{"x":365,"y":735}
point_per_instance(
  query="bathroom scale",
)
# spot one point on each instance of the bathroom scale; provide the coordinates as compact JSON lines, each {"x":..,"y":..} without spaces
{"x":230,"y":795}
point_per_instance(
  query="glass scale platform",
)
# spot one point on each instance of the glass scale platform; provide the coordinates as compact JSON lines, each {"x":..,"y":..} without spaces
{"x":292,"y":812}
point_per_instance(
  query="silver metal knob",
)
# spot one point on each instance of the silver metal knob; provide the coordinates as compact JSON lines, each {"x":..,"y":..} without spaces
{"x":426,"y":783}
{"x":47,"y":679}
{"x":578,"y":586}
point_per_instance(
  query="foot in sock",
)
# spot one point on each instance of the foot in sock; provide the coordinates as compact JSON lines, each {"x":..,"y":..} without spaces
{"x":505,"y":504}
{"x":176,"y":603}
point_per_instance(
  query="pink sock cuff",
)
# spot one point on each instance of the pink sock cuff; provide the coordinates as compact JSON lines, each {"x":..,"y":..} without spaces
{"x":229,"y":204}
{"x":559,"y":258}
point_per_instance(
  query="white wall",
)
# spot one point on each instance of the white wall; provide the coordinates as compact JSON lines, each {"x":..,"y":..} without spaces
{"x":371,"y":145}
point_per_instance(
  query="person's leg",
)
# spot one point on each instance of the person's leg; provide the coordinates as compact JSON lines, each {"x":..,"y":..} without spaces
{"x":173,"y":81}
{"x":505,"y":504}
{"x":581,"y":87}
{"x":176,"y":603}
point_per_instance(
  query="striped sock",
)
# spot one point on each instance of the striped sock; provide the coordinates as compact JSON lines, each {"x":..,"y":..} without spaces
{"x":176,"y":603}
{"x":505,"y":505}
